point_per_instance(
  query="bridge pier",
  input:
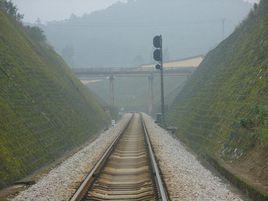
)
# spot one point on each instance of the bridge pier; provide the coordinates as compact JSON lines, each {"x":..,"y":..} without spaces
{"x":110,"y":73}
{"x":111,"y":90}
{"x":150,"y":93}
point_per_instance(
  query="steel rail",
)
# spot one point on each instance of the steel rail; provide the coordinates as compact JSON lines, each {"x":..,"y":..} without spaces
{"x":94,"y":174}
{"x":91,"y":177}
{"x":156,"y":172}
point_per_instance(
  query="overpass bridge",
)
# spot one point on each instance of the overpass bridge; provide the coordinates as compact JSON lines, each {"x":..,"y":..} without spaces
{"x":85,"y":74}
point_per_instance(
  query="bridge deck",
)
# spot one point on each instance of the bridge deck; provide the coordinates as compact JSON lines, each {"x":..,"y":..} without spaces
{"x":126,"y":72}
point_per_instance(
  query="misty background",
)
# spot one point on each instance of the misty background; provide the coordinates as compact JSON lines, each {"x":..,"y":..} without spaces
{"x":50,"y":10}
{"x":119,"y":33}
{"x":109,"y":33}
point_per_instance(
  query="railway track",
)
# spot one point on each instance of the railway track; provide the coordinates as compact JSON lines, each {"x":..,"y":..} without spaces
{"x":126,"y":171}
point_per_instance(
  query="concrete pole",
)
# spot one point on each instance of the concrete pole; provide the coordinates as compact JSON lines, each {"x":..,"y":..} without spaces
{"x":151,"y":93}
{"x":162,"y":86}
{"x":111,"y":91}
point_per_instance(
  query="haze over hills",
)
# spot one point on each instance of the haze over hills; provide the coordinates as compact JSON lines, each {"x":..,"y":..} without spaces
{"x":121,"y":35}
{"x":222,"y":110}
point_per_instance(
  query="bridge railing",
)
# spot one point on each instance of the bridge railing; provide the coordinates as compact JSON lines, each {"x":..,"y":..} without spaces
{"x":130,"y":70}
{"x":86,"y":70}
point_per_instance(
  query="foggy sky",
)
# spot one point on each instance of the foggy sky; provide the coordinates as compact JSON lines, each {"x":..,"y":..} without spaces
{"x":48,"y":10}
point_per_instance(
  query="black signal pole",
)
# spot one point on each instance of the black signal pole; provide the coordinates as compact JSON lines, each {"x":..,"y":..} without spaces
{"x":158,"y":56}
{"x":162,"y":85}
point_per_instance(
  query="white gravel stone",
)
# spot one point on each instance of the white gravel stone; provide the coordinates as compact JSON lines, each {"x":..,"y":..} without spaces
{"x":60,"y":183}
{"x":185,"y":177}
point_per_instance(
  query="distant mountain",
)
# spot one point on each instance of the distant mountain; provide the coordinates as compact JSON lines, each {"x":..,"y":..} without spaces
{"x":222,"y":110}
{"x":121,"y":35}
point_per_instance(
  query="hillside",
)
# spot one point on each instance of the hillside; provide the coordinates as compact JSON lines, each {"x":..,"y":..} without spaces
{"x":44,"y":110}
{"x":222,"y":111}
{"x":121,"y":35}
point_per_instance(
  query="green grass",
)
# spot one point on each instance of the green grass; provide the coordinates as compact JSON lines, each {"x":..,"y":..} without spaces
{"x":223,"y":109}
{"x":44,"y":109}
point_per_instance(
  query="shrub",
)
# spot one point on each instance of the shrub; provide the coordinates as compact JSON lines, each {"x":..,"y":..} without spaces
{"x":36,"y":33}
{"x":11,"y":9}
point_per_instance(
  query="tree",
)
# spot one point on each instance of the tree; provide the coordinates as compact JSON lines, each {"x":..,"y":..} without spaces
{"x":255,"y":6}
{"x":11,"y":9}
{"x":36,"y":33}
{"x":2,"y":4}
{"x":263,"y":5}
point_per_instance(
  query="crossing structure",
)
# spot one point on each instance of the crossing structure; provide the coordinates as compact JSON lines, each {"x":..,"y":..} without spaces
{"x":85,"y":74}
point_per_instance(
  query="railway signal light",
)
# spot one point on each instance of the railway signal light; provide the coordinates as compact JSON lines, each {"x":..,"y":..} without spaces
{"x":157,"y":41}
{"x":157,"y":66}
{"x":158,"y":55}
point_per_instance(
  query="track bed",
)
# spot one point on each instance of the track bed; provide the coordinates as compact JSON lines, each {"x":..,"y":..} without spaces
{"x":126,"y":171}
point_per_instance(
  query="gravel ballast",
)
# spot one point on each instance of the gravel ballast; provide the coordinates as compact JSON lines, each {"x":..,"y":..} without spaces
{"x":186,"y":179}
{"x":60,"y":183}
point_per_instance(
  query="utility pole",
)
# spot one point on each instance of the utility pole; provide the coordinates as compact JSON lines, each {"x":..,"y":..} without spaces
{"x":162,"y":87}
{"x":111,"y":79}
{"x":158,"y":56}
{"x":151,"y":93}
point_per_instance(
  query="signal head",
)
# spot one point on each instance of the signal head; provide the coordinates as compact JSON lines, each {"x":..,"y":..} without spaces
{"x":157,"y":55}
{"x":158,"y":67}
{"x":157,"y":41}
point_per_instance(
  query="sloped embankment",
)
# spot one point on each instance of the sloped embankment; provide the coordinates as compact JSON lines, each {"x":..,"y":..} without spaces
{"x":44,"y":109}
{"x":223,"y":109}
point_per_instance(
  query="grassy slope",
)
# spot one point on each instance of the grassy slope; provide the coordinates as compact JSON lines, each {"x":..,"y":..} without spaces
{"x":44,"y":110}
{"x":223,"y":109}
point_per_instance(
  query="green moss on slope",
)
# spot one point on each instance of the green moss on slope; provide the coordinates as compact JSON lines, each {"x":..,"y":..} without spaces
{"x":223,"y":108}
{"x":44,"y":109}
